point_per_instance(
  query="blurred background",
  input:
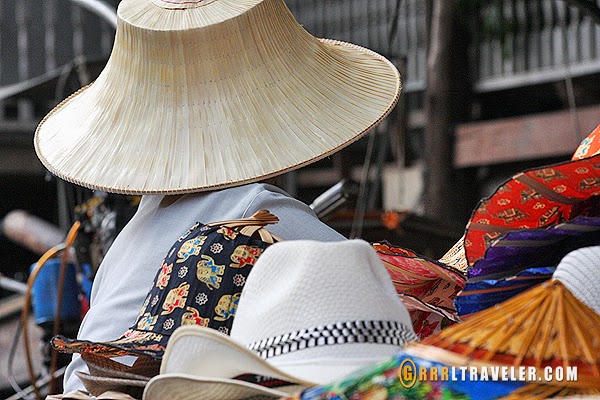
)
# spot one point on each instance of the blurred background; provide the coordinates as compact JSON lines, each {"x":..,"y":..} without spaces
{"x":490,"y":87}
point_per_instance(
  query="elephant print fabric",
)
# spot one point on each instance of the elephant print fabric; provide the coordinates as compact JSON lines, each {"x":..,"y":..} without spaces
{"x":199,"y":282}
{"x":210,"y":273}
{"x":245,"y":255}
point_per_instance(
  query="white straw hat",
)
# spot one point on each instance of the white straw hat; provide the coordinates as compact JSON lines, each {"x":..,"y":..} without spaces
{"x":310,"y":313}
{"x":579,"y":271}
{"x":206,"y":94}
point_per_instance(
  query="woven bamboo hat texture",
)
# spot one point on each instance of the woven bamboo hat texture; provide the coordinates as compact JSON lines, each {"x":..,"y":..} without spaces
{"x":97,"y":385}
{"x":206,"y":94}
{"x":544,"y":326}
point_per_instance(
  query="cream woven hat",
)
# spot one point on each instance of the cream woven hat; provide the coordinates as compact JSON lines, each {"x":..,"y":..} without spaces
{"x":579,"y":271}
{"x":206,"y":94}
{"x":310,"y":313}
{"x":107,"y":375}
{"x":97,"y":385}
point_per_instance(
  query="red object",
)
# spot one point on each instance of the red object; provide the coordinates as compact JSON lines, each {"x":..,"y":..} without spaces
{"x":590,"y":146}
{"x":85,"y":306}
{"x":533,"y":199}
{"x":433,"y":284}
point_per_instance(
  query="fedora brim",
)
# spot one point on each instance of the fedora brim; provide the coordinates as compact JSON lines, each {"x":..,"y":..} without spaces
{"x":222,"y":357}
{"x":190,"y":387}
{"x":142,"y":368}
{"x":112,"y":369}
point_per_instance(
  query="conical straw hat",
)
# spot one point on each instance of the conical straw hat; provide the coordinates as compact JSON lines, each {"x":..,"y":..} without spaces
{"x":545,"y":326}
{"x":206,"y":94}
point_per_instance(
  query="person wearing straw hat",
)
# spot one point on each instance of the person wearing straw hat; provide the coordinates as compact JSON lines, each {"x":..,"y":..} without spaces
{"x":199,"y":100}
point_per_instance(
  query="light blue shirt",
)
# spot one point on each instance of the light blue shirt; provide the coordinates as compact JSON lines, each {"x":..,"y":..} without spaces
{"x":130,"y":265}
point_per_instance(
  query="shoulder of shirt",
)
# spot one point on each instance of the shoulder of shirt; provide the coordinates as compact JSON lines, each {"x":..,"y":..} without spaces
{"x":247,"y":194}
{"x":262,"y":193}
{"x":243,"y":196}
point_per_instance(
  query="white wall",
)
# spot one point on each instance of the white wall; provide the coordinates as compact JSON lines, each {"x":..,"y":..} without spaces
{"x":402,"y":188}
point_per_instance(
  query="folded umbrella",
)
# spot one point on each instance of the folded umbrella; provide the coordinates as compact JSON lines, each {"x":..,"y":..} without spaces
{"x":426,"y":287}
{"x":535,"y":219}
{"x":478,"y":296}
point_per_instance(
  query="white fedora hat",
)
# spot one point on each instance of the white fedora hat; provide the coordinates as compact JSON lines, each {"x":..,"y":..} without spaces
{"x":310,"y":313}
{"x":579,"y":271}
{"x":206,"y":94}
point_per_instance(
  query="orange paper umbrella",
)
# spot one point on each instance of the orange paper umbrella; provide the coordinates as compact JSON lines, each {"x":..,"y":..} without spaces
{"x":545,"y":326}
{"x":539,"y":391}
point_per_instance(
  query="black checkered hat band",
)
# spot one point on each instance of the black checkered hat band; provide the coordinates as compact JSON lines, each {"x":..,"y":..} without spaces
{"x":376,"y":332}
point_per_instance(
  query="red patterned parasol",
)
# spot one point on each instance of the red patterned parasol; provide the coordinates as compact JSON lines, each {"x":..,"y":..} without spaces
{"x":538,"y":198}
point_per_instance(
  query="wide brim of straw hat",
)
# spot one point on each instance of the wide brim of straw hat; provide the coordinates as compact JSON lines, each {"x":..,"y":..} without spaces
{"x":189,"y":387}
{"x":143,"y":368}
{"x":219,"y":95}
{"x":96,"y":385}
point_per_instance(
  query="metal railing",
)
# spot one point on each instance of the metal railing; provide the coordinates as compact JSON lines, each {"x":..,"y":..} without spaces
{"x":37,"y":37}
{"x":524,"y":42}
{"x":45,"y":41}
{"x":516,"y":42}
{"x":370,"y":23}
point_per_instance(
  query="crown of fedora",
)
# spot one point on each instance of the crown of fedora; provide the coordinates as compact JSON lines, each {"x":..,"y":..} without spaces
{"x":310,"y":313}
{"x":208,"y":94}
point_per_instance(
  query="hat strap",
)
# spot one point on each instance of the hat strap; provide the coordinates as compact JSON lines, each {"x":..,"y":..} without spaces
{"x":253,"y":224}
{"x":363,"y":332}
